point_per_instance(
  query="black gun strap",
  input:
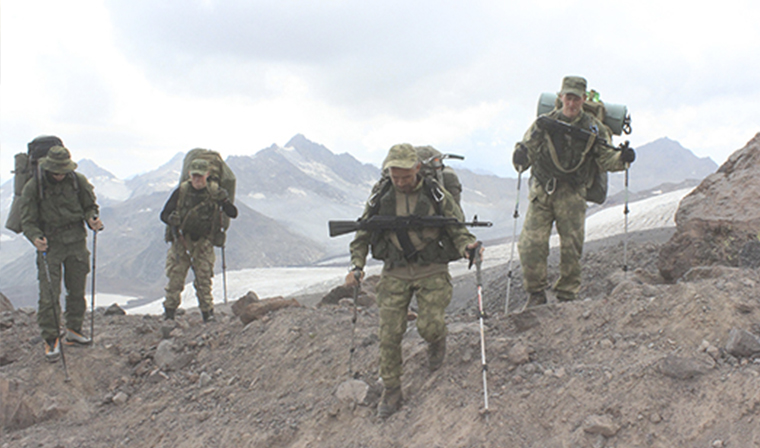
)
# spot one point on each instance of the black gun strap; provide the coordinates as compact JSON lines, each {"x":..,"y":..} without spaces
{"x":406,"y":243}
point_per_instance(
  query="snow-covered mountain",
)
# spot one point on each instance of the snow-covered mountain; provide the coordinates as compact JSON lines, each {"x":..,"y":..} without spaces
{"x":286,"y":195}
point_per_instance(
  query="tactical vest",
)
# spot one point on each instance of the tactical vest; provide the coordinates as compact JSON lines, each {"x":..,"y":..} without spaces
{"x":200,"y":216}
{"x":572,"y":154}
{"x":436,"y":244}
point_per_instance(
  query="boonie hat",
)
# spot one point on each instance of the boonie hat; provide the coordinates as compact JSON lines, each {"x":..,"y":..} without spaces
{"x":198,"y":166}
{"x":401,"y":156}
{"x":575,"y":85}
{"x":58,"y":161}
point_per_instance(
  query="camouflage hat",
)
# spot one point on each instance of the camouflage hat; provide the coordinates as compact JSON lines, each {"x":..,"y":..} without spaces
{"x":401,"y":156}
{"x":574,"y":85}
{"x":58,"y":161}
{"x":198,"y":166}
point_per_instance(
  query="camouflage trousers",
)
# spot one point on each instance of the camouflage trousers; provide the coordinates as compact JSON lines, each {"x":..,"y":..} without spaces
{"x":70,"y":262}
{"x":567,"y":208}
{"x":394,"y":295}
{"x":198,"y":255}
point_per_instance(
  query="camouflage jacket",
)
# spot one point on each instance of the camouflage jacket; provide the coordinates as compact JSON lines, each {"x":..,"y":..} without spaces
{"x":61,"y":212}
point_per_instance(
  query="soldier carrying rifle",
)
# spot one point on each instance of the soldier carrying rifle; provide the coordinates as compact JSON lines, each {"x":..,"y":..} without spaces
{"x":415,"y":263}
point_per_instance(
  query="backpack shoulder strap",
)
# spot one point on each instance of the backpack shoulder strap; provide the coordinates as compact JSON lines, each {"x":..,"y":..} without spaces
{"x":435,"y":192}
{"x":378,"y":191}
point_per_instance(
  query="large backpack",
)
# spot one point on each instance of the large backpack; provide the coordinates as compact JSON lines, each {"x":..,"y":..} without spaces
{"x":220,"y":175}
{"x":432,"y":168}
{"x":26,"y":167}
{"x":615,"y":118}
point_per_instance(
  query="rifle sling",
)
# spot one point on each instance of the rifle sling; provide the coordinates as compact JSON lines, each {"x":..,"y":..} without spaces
{"x":406,"y":243}
{"x":555,"y":158}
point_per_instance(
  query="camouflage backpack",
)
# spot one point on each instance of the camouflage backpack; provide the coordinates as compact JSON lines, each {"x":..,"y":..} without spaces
{"x":432,"y":169}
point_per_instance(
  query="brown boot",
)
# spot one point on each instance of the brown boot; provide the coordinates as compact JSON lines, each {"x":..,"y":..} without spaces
{"x":535,"y":299}
{"x":436,"y":354}
{"x":390,"y":402}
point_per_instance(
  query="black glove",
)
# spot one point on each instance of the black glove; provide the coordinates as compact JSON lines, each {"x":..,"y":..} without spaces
{"x":520,"y":157}
{"x":174,"y":219}
{"x":627,"y":154}
{"x":220,"y":196}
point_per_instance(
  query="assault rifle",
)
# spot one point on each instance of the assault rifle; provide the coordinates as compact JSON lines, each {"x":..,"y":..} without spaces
{"x":383,"y":222}
{"x":555,"y":127}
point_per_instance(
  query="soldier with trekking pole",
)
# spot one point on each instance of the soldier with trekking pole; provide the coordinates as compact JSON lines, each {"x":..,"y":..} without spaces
{"x":56,"y":204}
{"x":569,"y":152}
{"x":416,"y":227}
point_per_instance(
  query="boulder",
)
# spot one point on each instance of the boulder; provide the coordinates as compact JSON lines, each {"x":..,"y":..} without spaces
{"x":257,"y":310}
{"x":716,"y":221}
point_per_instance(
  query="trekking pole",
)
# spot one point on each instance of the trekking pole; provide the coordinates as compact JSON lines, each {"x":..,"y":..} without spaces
{"x":224,"y":275}
{"x":94,"y":266}
{"x":478,"y":260}
{"x":357,"y":286}
{"x":55,"y":304}
{"x":514,"y":237}
{"x":625,"y":238}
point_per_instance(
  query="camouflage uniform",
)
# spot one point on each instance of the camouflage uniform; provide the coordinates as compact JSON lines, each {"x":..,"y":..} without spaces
{"x":557,"y":196}
{"x":425,"y":275}
{"x":192,"y":246}
{"x":59,"y":216}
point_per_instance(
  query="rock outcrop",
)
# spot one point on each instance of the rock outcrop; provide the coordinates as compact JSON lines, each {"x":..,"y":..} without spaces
{"x":719,"y":219}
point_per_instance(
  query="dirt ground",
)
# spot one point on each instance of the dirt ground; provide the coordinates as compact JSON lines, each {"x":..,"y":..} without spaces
{"x":634,"y":363}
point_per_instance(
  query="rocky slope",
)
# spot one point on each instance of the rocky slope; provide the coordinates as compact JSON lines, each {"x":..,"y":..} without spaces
{"x":643,"y":363}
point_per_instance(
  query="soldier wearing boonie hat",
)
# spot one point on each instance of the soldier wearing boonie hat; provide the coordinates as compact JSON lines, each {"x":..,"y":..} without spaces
{"x":58,"y":161}
{"x":415,"y":262}
{"x":562,"y":168}
{"x":54,"y":222}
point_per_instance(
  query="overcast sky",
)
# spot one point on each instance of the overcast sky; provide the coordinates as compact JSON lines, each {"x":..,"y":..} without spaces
{"x":131,"y":83}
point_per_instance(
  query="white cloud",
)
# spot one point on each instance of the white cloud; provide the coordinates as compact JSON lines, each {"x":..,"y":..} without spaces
{"x":129,"y":84}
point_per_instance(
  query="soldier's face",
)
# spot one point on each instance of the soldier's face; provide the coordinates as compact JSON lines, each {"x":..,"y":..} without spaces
{"x":404,"y":179}
{"x":572,"y":104}
{"x":58,"y":177}
{"x":198,"y":181}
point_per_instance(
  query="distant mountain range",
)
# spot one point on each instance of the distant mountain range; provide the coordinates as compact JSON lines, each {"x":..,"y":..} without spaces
{"x":285,"y":195}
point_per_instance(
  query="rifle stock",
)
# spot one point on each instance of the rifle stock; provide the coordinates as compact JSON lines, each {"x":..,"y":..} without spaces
{"x":382,"y":222}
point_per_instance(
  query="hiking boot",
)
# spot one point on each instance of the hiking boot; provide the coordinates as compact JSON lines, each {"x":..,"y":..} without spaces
{"x":535,"y":299}
{"x":390,"y":402}
{"x":76,"y":338}
{"x":52,"y":350}
{"x":169,"y":313}
{"x":208,"y":316}
{"x":436,"y":354}
{"x":565,"y":297}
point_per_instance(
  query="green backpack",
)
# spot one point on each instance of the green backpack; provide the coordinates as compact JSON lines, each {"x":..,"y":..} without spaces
{"x":26,"y":167}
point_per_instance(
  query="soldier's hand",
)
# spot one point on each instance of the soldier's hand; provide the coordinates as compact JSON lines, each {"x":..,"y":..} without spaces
{"x":95,"y":223}
{"x":220,"y":196}
{"x":520,"y":158}
{"x":354,"y":277}
{"x":174,"y":219}
{"x":41,"y":244}
{"x":470,"y":250}
{"x":627,"y":155}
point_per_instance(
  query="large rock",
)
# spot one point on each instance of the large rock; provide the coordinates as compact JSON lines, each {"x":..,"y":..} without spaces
{"x":717,"y":219}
